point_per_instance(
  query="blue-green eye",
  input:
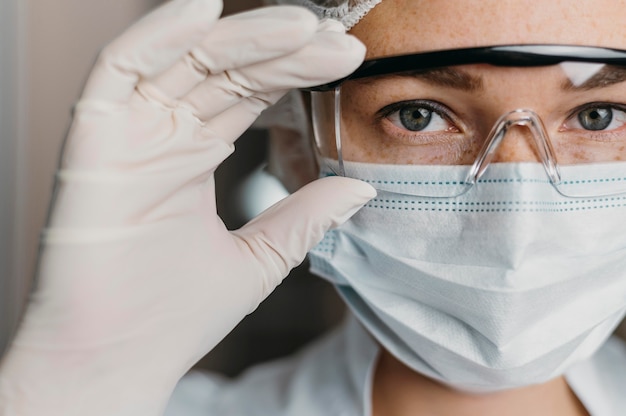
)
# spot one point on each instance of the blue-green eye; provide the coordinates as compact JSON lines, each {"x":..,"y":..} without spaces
{"x":417,"y":117}
{"x":597,"y":117}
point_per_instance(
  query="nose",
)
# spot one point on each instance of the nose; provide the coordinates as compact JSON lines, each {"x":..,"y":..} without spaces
{"x":517,"y":145}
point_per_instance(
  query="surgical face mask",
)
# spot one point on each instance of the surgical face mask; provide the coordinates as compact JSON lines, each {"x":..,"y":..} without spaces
{"x":493,"y":256}
{"x":505,"y":286}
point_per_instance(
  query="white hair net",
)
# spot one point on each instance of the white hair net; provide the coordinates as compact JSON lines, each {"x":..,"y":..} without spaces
{"x":348,"y":12}
{"x":290,"y":112}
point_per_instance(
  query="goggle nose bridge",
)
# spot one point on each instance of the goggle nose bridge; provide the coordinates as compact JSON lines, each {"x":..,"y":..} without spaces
{"x":519,"y":117}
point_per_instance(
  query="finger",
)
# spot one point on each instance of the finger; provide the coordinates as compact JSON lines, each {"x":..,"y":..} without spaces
{"x":234,"y":121}
{"x":238,"y":41}
{"x":281,"y":236}
{"x":329,"y":56}
{"x":150,"y":46}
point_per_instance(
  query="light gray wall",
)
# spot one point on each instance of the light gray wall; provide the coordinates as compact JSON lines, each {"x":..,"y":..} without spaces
{"x":9,"y":132}
{"x":46,"y":50}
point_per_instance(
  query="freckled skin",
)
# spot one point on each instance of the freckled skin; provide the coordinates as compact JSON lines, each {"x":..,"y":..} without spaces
{"x":368,"y":137}
{"x":421,"y":25}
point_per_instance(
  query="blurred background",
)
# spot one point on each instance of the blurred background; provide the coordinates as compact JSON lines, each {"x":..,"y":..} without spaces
{"x":46,"y":51}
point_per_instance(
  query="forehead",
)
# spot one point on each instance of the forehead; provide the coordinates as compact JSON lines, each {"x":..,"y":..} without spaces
{"x":404,"y":26}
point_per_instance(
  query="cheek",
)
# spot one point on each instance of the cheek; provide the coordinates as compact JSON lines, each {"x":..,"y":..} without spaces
{"x":359,"y":124}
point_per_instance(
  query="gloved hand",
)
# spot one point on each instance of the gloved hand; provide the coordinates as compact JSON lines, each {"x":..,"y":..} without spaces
{"x":138,"y":276}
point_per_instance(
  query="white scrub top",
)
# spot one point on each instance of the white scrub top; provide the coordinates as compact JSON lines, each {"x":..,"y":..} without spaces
{"x":333,"y":377}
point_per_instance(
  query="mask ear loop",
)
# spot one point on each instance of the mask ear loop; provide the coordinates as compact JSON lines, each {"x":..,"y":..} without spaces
{"x":337,"y":103}
{"x":520,"y":117}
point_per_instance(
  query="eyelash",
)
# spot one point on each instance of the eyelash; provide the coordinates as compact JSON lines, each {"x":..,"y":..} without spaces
{"x":449,"y":135}
{"x":600,"y":135}
{"x":444,"y":112}
{"x":599,"y":104}
{"x":383,"y":115}
{"x":433,"y":106}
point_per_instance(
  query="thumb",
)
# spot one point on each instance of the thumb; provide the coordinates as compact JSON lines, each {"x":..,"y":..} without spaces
{"x":280,"y":237}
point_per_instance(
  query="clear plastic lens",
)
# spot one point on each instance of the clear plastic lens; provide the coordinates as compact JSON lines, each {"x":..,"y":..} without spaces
{"x":470,"y":116}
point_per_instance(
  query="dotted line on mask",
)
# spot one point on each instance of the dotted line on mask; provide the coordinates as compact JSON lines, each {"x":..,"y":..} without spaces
{"x":600,"y":180}
{"x":449,"y":183}
{"x":570,"y":182}
{"x":421,"y":183}
{"x":498,"y":206}
{"x":491,"y":181}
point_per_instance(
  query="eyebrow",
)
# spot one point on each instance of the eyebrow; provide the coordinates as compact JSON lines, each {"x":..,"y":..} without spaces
{"x":607,"y":76}
{"x":458,"y":79}
{"x":445,"y":77}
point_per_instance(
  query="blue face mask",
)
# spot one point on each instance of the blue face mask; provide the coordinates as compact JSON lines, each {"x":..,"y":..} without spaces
{"x":504,"y":286}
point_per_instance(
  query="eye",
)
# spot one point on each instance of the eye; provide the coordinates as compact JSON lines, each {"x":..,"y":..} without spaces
{"x":417,"y":117}
{"x":597,"y":118}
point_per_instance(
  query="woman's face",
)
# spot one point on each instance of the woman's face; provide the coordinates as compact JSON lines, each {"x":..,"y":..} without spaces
{"x":396,"y":27}
{"x":380,"y":116}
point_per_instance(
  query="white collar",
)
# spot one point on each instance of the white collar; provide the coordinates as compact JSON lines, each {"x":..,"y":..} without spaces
{"x":334,"y":377}
{"x":599,"y":382}
{"x":361,"y":356}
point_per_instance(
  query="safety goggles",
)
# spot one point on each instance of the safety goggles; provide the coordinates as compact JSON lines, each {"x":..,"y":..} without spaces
{"x":559,"y":105}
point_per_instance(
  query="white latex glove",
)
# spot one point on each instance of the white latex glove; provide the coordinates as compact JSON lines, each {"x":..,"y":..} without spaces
{"x":139,"y":278}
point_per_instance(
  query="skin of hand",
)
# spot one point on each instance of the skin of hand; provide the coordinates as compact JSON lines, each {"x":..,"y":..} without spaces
{"x":138,"y":276}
